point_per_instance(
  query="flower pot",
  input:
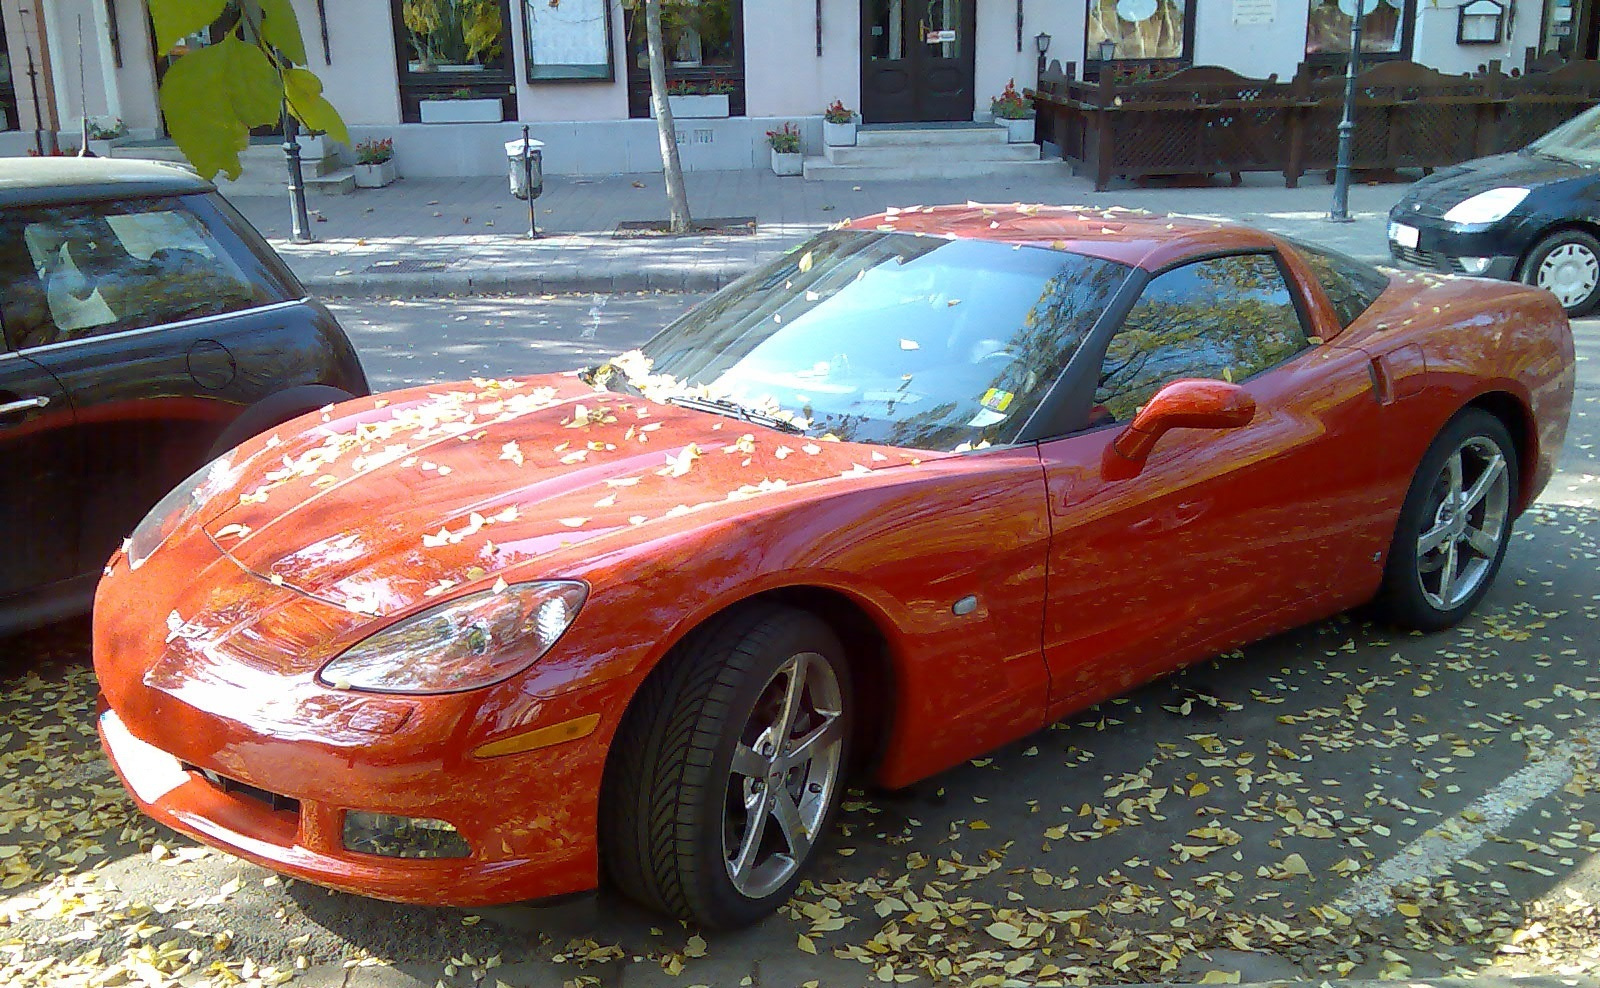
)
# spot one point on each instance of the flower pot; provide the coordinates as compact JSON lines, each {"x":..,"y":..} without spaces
{"x":375,"y":176}
{"x":839,"y":135}
{"x":313,"y":147}
{"x":102,"y":148}
{"x":461,"y":111}
{"x":788,"y":163}
{"x":698,"y":107}
{"x":1018,"y":131}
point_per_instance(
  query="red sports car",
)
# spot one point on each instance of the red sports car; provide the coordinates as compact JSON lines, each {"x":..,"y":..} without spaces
{"x":925,"y":484}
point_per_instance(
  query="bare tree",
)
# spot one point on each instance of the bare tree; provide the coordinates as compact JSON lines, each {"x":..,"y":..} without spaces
{"x":677,"y":195}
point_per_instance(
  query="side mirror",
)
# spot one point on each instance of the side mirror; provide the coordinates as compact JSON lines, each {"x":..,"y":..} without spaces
{"x":1187,"y":404}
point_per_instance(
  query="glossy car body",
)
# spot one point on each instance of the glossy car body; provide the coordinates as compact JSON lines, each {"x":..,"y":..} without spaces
{"x":1091,"y":568}
{"x":146,"y":325}
{"x":1563,"y":193}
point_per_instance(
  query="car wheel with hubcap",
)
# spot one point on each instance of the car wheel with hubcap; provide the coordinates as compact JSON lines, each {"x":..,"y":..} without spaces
{"x":728,"y":767}
{"x":1567,"y":264}
{"x":1454,"y":525}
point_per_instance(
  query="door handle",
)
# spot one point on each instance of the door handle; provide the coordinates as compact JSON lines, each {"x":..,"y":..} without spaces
{"x":24,"y":404}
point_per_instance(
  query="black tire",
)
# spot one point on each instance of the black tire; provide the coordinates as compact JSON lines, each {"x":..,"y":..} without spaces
{"x":668,"y":797}
{"x":1581,"y":253}
{"x":1405,"y":599}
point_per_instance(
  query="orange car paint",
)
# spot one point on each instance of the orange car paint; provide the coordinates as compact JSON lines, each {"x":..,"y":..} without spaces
{"x":336,"y":528}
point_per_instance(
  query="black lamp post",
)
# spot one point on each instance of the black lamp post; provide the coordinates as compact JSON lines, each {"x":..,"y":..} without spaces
{"x":301,"y":232}
{"x":1041,"y":43}
{"x":1347,"y":126}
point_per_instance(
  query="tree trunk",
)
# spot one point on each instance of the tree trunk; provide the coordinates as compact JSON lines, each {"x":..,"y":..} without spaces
{"x":677,"y":195}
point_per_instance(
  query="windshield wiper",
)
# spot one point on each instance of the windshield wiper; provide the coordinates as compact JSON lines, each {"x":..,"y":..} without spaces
{"x":725,"y":406}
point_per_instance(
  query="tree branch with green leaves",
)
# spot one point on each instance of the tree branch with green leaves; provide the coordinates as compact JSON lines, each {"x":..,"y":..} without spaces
{"x":213,"y":96}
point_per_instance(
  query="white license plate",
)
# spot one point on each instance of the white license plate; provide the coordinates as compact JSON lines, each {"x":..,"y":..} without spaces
{"x":151,"y":772}
{"x":1405,"y":236}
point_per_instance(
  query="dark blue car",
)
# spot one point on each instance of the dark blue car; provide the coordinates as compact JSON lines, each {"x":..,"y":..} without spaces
{"x":1532,"y":216}
{"x":147,"y":329}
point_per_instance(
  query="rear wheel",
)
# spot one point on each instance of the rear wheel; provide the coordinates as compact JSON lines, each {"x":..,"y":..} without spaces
{"x":1454,"y":525}
{"x":728,"y":768}
{"x":1567,"y":264}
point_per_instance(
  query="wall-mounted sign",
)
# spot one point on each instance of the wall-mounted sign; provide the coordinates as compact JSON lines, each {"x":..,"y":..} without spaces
{"x":941,"y":37}
{"x":1255,"y":11}
{"x":568,"y":40}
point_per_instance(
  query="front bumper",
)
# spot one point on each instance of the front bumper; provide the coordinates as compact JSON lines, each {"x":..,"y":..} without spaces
{"x":1440,"y":246}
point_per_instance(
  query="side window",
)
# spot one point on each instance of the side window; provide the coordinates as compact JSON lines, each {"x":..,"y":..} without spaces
{"x":103,"y":268}
{"x":1350,"y":285}
{"x":1227,"y":318}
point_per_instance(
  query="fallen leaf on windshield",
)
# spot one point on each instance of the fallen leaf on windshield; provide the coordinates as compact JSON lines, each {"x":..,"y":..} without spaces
{"x":782,"y":452}
{"x":511,"y":452}
{"x":574,"y":522}
{"x":679,"y":465}
{"x":433,"y":541}
{"x":607,"y":501}
{"x":233,"y":531}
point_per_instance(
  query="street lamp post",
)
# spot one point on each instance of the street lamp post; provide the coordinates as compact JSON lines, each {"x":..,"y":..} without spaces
{"x":301,"y":233}
{"x":1347,"y":126}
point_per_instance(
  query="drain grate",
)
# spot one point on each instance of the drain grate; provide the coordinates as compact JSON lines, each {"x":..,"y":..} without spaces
{"x":408,"y":265}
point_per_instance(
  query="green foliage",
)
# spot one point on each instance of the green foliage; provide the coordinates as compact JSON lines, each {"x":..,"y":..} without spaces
{"x":213,"y":95}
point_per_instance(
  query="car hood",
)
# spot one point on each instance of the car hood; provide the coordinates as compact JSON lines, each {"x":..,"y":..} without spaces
{"x":393,"y":501}
{"x":1434,"y":195}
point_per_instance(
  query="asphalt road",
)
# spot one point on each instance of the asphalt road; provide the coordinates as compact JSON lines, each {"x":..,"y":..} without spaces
{"x":1337,"y":801}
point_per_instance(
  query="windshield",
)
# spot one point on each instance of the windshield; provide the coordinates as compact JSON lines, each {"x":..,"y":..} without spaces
{"x":1577,"y":140}
{"x":921,"y":342}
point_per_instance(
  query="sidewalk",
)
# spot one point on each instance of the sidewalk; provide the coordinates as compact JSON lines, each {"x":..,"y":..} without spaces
{"x":466,"y":236}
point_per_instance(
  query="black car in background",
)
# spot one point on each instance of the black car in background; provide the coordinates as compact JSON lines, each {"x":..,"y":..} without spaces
{"x":1531,"y":216}
{"x":147,"y":329}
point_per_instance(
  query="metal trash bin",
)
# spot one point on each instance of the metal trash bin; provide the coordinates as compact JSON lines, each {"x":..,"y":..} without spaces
{"x":525,"y":168}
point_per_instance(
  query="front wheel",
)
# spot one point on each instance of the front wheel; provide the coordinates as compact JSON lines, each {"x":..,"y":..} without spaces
{"x":1567,"y":265}
{"x":1454,"y":525}
{"x":728,"y":768}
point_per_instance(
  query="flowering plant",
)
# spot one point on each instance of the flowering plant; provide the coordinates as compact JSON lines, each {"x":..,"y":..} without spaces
{"x":1010,"y":104}
{"x":106,"y":128}
{"x":837,"y":113}
{"x":785,"y":140}
{"x":375,"y":152}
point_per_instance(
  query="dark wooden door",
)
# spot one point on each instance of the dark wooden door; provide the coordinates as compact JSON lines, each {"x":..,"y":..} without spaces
{"x":916,"y":60}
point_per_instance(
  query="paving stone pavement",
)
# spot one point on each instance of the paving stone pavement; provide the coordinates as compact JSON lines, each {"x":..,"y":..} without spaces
{"x":467,"y":236}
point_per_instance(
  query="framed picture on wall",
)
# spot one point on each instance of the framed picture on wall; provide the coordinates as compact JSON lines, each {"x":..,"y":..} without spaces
{"x":569,"y":40}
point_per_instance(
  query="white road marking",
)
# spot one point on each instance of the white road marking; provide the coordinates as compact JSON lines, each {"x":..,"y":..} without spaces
{"x":1436,"y":850}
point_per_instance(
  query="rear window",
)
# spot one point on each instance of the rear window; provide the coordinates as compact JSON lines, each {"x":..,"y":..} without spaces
{"x":1351,"y":285}
{"x":71,"y":272}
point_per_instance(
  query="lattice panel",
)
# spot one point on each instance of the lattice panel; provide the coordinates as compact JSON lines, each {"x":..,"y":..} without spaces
{"x":1433,"y":133}
{"x":1157,"y":142}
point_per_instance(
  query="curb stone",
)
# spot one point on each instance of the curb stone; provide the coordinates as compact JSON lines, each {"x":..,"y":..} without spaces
{"x":701,"y":277}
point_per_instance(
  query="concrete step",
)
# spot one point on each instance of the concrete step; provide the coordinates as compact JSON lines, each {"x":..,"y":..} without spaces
{"x":900,"y":155}
{"x":891,"y":136}
{"x":339,"y":182}
{"x":819,"y":168}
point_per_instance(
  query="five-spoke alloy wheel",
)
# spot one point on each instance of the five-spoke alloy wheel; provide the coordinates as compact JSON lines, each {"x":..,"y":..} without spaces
{"x":729,"y":766}
{"x":1454,"y":525}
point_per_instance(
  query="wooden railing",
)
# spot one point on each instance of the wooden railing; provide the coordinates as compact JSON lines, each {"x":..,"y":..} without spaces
{"x":1208,"y":120}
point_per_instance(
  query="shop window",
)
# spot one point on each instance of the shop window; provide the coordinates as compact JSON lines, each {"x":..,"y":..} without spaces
{"x":1559,"y":28}
{"x":1139,"y":38}
{"x":8,"y":94}
{"x":704,"y":42}
{"x":1386,"y":28}
{"x":453,"y":50}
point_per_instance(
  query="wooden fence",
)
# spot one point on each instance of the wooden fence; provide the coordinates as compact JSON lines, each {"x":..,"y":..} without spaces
{"x":1207,"y":120}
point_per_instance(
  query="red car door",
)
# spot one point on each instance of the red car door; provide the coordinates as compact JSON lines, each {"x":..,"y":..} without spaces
{"x":1223,"y":534}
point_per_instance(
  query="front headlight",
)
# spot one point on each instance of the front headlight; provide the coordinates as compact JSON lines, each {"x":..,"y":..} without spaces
{"x":178,"y":507}
{"x":1486,"y":207}
{"x":464,"y":644}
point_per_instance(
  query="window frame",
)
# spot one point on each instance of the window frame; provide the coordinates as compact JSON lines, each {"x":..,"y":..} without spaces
{"x":1064,"y":412}
{"x":1137,"y":69}
{"x":10,"y":110}
{"x":1408,"y":39}
{"x":497,"y":81}
{"x":638,"y":80}
{"x":267,"y":291}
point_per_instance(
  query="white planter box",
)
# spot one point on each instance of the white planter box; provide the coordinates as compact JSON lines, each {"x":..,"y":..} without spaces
{"x":313,"y":148}
{"x":788,"y":164}
{"x":375,"y":176}
{"x":1017,"y":131}
{"x":839,"y":135}
{"x":698,"y":107}
{"x":461,"y":111}
{"x":103,"y":148}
